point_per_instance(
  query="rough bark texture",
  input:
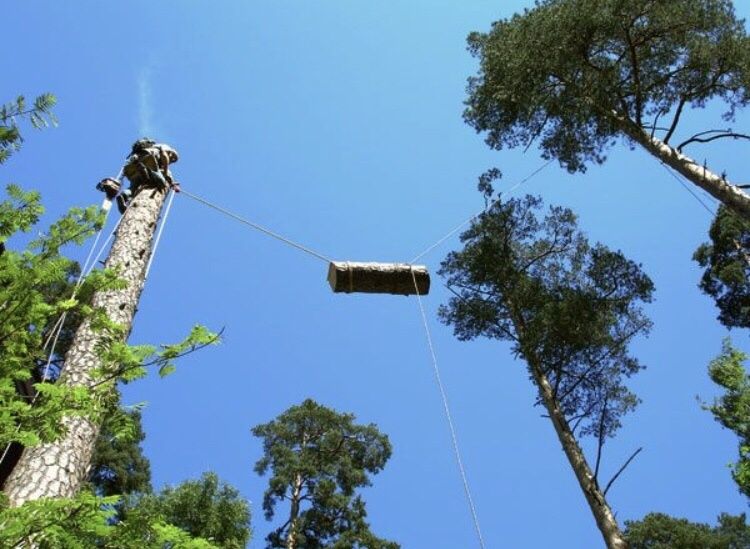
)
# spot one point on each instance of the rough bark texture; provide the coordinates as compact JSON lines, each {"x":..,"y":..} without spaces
{"x":715,"y":185}
{"x":603,"y":515}
{"x":58,"y":469}
{"x":378,"y":278}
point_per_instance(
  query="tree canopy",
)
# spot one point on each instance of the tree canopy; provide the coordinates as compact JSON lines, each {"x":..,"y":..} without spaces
{"x":205,"y":508}
{"x":568,"y":308}
{"x":726,"y":263}
{"x":571,"y":72}
{"x":660,"y":531}
{"x":562,"y":302}
{"x":318,"y":458}
{"x":118,"y":466}
{"x":732,"y":408}
{"x":574,"y":75}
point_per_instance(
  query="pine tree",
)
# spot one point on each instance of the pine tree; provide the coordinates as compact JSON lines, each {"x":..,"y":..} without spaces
{"x":574,"y":75}
{"x":726,"y":260}
{"x":318,"y":458}
{"x":660,"y":531}
{"x":206,"y":508}
{"x":569,"y":309}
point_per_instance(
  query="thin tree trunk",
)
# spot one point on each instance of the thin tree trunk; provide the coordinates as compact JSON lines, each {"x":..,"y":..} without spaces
{"x":732,"y":197}
{"x":58,"y":469}
{"x":291,"y":539}
{"x":603,"y":515}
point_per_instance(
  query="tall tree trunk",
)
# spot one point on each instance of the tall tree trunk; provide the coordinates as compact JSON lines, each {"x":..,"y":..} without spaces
{"x":603,"y":515}
{"x":291,"y":538}
{"x":58,"y":469}
{"x":732,"y":197}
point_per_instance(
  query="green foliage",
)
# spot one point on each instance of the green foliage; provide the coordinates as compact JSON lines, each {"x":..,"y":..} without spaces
{"x":38,"y":285}
{"x":568,"y":308}
{"x":126,"y":363}
{"x":84,"y":522}
{"x":732,"y":409}
{"x":573,"y":73}
{"x":660,"y":531}
{"x":318,"y":458}
{"x":39,"y":115}
{"x":206,"y":509}
{"x":726,"y":260}
{"x":29,"y":305}
{"x":118,"y":466}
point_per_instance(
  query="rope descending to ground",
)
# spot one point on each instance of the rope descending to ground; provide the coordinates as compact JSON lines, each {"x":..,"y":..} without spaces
{"x":449,"y":418}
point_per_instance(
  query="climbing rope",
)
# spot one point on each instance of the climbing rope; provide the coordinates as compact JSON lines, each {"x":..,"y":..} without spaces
{"x":448,"y":416}
{"x":158,"y":235}
{"x":473,"y":217}
{"x":258,"y":227}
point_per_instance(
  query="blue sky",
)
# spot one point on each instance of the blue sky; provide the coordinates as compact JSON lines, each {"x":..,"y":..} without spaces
{"x":338,"y":124}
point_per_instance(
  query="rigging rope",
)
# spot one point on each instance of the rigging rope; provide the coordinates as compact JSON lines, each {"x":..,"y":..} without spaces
{"x":158,"y":235}
{"x":436,"y":368}
{"x":449,"y":418}
{"x":470,"y":219}
{"x":257,"y":227}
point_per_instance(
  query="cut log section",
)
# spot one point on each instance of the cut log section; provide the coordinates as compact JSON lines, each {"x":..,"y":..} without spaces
{"x":378,"y":278}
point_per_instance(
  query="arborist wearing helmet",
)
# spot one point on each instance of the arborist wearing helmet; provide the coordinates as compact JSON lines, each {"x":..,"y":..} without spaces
{"x":147,"y":166}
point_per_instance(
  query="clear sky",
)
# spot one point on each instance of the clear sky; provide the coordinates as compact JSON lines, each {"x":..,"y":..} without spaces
{"x":338,"y":123}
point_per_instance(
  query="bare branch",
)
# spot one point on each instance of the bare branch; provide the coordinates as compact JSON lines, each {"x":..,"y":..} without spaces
{"x":675,"y":120}
{"x":720,"y":134}
{"x":619,"y":472}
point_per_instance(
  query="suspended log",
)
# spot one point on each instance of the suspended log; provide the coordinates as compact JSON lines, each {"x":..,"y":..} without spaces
{"x":378,"y":278}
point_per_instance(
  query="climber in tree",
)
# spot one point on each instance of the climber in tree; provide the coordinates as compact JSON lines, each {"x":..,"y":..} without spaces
{"x":148,"y":166}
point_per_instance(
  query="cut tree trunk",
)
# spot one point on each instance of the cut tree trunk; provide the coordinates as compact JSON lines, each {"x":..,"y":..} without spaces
{"x":730,"y":195}
{"x":605,"y":519}
{"x":57,"y":470}
{"x":378,"y":278}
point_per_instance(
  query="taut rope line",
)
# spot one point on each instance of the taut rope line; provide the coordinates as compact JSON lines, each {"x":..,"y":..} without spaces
{"x":470,"y":219}
{"x":449,"y":418}
{"x":258,"y":227}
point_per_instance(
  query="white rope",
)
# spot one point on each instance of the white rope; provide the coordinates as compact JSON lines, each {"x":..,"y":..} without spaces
{"x":446,"y":409}
{"x":470,"y":219}
{"x":158,"y":234}
{"x":258,"y":227}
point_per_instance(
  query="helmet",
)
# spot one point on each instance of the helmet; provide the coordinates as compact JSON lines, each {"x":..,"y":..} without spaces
{"x":142,"y":144}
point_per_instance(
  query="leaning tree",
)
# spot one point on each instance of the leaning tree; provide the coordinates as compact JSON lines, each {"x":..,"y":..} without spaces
{"x":569,"y":309}
{"x":574,"y":75}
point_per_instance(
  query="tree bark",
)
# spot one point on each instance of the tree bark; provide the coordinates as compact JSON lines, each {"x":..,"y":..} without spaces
{"x":732,"y":197}
{"x":57,"y":470}
{"x":291,"y":539}
{"x":605,"y":519}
